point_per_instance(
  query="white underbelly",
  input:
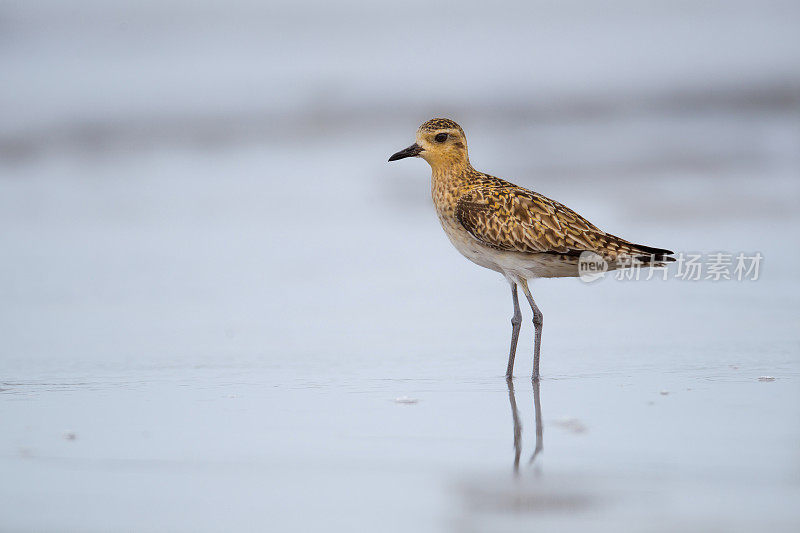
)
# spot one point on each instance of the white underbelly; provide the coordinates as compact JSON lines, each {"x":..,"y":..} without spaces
{"x":510,"y":264}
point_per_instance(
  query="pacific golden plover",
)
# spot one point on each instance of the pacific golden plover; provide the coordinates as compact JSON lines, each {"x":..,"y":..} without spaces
{"x":511,"y":230}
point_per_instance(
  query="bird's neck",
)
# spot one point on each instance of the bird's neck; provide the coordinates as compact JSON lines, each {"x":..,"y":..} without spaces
{"x":448,"y":182}
{"x":449,"y":164}
{"x":450,"y":169}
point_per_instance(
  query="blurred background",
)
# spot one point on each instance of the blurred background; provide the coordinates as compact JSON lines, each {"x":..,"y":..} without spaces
{"x":223,"y":309}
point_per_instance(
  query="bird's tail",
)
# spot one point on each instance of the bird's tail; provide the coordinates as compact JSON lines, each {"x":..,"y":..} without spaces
{"x":640,"y":254}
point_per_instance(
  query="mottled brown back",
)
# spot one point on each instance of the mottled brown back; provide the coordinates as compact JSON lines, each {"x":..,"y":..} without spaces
{"x":507,"y":217}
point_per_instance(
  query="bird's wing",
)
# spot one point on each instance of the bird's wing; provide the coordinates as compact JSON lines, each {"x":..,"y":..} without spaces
{"x":516,"y":219}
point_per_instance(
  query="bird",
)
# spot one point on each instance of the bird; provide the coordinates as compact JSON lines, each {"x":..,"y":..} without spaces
{"x":514,"y":231}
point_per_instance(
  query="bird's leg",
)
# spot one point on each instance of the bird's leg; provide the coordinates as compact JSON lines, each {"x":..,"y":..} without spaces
{"x":537,"y":324}
{"x":512,"y":398}
{"x":516,"y":324}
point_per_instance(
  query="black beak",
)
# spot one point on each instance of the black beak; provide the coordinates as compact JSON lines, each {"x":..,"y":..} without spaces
{"x":411,"y":151}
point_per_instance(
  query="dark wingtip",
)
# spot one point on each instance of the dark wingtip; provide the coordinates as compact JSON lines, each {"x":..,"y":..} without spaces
{"x":652,"y":250}
{"x":654,"y":255}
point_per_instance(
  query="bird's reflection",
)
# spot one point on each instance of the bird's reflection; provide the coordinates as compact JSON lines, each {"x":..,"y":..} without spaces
{"x":512,"y":398}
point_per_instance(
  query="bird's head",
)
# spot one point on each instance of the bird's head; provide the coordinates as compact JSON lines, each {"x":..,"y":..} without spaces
{"x":441,"y":142}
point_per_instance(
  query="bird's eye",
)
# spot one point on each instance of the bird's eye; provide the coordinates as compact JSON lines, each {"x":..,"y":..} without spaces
{"x":440,"y":137}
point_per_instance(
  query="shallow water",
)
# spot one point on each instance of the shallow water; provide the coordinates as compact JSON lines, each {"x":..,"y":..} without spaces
{"x":223,"y":310}
{"x":189,"y":346}
{"x":205,"y":449}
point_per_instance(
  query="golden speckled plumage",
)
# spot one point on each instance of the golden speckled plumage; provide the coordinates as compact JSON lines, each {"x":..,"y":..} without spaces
{"x":507,"y":217}
{"x":510,"y":229}
{"x":504,"y":217}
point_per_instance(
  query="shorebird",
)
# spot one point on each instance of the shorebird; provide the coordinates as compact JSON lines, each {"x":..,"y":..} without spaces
{"x":509,"y":229}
